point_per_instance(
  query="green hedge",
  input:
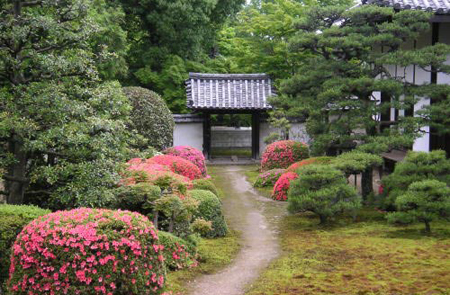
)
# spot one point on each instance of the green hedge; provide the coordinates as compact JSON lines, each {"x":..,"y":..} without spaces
{"x":12,"y":219}
{"x":205,"y":184}
{"x":210,"y":209}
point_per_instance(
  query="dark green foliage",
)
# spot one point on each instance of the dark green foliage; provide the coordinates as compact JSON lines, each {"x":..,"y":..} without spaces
{"x":356,"y":162}
{"x":139,"y":197}
{"x":12,"y":219}
{"x":417,"y":166}
{"x":205,"y":184}
{"x":151,"y":117}
{"x":178,"y":253}
{"x":424,"y":201}
{"x":210,"y":209}
{"x":323,"y":190}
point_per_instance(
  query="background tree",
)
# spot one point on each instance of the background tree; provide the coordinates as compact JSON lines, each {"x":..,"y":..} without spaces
{"x":62,"y":132}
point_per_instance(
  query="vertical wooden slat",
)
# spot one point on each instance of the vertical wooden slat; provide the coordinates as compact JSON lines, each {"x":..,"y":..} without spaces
{"x":255,"y":135}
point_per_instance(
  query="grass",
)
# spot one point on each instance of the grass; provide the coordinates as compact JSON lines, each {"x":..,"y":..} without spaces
{"x":364,"y":257}
{"x":214,"y":254}
{"x":228,"y":152}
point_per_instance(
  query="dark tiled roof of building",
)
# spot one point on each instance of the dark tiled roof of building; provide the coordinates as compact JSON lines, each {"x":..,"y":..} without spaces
{"x":229,"y":91}
{"x":436,"y":6}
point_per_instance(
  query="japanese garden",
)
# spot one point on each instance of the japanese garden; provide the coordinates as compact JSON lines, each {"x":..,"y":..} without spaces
{"x":224,"y":147}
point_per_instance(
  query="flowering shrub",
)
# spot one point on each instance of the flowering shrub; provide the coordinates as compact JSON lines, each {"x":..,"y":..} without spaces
{"x":281,"y":188}
{"x":86,"y":251}
{"x":178,"y":253}
{"x":189,"y":153}
{"x":283,"y":153}
{"x":178,"y":165}
{"x":268,"y":178}
{"x":316,"y":160}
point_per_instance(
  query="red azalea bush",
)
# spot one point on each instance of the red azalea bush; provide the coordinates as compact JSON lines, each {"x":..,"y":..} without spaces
{"x":178,"y":165}
{"x":281,"y":188}
{"x":316,"y":160}
{"x":268,"y":178}
{"x":283,"y":153}
{"x":189,"y":153}
{"x":87,"y":251}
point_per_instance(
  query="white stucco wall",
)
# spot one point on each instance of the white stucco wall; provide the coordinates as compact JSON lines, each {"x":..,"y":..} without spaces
{"x":297,"y":132}
{"x":188,"y":134}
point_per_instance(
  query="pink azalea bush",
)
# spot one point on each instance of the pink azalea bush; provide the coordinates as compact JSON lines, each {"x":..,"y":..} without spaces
{"x":283,"y":153}
{"x":178,"y":165}
{"x":268,"y":178}
{"x":87,"y":251}
{"x":189,"y":153}
{"x":178,"y":254}
{"x":281,"y":188}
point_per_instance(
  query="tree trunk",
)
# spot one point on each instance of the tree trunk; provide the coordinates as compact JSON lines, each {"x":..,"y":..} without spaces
{"x":155,"y":218}
{"x":323,"y":219}
{"x":16,"y":181}
{"x":427,"y":227}
{"x":172,"y":221}
{"x":367,"y":183}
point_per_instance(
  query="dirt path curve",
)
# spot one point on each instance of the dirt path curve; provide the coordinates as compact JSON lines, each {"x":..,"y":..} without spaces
{"x":255,"y":217}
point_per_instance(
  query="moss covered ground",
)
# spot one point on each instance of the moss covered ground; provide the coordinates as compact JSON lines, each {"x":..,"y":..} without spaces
{"x":366,"y":256}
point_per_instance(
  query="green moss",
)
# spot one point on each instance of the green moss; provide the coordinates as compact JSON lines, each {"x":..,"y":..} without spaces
{"x":364,"y":257}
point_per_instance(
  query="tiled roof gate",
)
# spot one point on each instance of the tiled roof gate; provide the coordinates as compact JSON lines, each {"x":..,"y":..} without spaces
{"x":436,"y":6}
{"x":229,"y":91}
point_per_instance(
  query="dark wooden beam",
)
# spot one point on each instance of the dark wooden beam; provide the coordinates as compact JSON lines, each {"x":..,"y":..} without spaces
{"x":255,"y":135}
{"x":207,"y":135}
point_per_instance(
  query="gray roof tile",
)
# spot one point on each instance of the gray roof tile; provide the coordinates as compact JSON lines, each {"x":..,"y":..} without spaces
{"x":229,"y":91}
{"x":436,"y":6}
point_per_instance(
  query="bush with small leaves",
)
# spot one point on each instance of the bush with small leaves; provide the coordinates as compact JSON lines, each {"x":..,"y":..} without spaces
{"x":356,"y":162}
{"x":210,"y":209}
{"x":281,"y":187}
{"x":87,"y":251}
{"x":151,"y":117}
{"x":322,"y":189}
{"x":268,"y":178}
{"x":188,"y":153}
{"x":178,"y":253}
{"x":416,"y":166}
{"x":205,"y":184}
{"x":201,"y":226}
{"x":12,"y":219}
{"x":283,"y":153}
{"x":139,"y":197}
{"x":315,"y":160}
{"x":424,"y":201}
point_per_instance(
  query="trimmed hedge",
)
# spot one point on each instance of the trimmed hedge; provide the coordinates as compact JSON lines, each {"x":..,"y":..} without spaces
{"x":315,"y":160}
{"x":12,"y":219}
{"x":283,"y":153}
{"x":268,"y":178}
{"x":205,"y":184}
{"x":178,"y":253}
{"x":151,"y":117}
{"x":138,"y":197}
{"x":281,"y":187}
{"x":189,"y":153}
{"x":210,"y":209}
{"x":178,"y":165}
{"x":87,"y":251}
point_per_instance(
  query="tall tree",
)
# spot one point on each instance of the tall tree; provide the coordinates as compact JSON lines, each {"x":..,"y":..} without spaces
{"x":61,"y":130}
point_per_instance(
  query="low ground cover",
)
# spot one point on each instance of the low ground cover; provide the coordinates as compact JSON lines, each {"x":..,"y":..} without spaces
{"x":364,"y":257}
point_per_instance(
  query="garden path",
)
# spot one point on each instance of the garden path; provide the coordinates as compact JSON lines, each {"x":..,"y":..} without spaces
{"x":256,"y":218}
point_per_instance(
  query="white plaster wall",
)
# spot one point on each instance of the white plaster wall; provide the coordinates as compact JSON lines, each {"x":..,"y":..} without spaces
{"x":188,"y":134}
{"x":229,"y":137}
{"x":297,"y":132}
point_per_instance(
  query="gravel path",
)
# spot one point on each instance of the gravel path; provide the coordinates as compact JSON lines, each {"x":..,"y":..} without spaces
{"x":255,"y":217}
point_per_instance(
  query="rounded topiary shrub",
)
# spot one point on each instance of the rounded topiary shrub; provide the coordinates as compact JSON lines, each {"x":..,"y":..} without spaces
{"x":315,"y":160}
{"x":205,"y":184}
{"x":178,"y":165}
{"x":151,"y":117}
{"x":283,"y":153}
{"x":87,"y":251}
{"x":138,"y":197}
{"x":281,"y":187}
{"x":210,"y":209}
{"x":189,"y":153}
{"x":178,"y":253}
{"x":268,"y":178}
{"x":12,"y":219}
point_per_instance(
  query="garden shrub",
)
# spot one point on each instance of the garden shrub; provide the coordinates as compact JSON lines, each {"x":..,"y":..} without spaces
{"x":178,"y":253}
{"x":139,"y":197}
{"x":86,"y":251}
{"x":356,"y":162}
{"x":315,"y":160}
{"x":178,"y":165}
{"x":322,"y":189}
{"x":151,"y":117}
{"x":189,"y":153}
{"x":12,"y":219}
{"x":268,"y":178}
{"x":210,"y":209}
{"x":416,"y":166}
{"x":205,"y":184}
{"x":281,"y":187}
{"x":424,"y":201}
{"x":283,"y":153}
